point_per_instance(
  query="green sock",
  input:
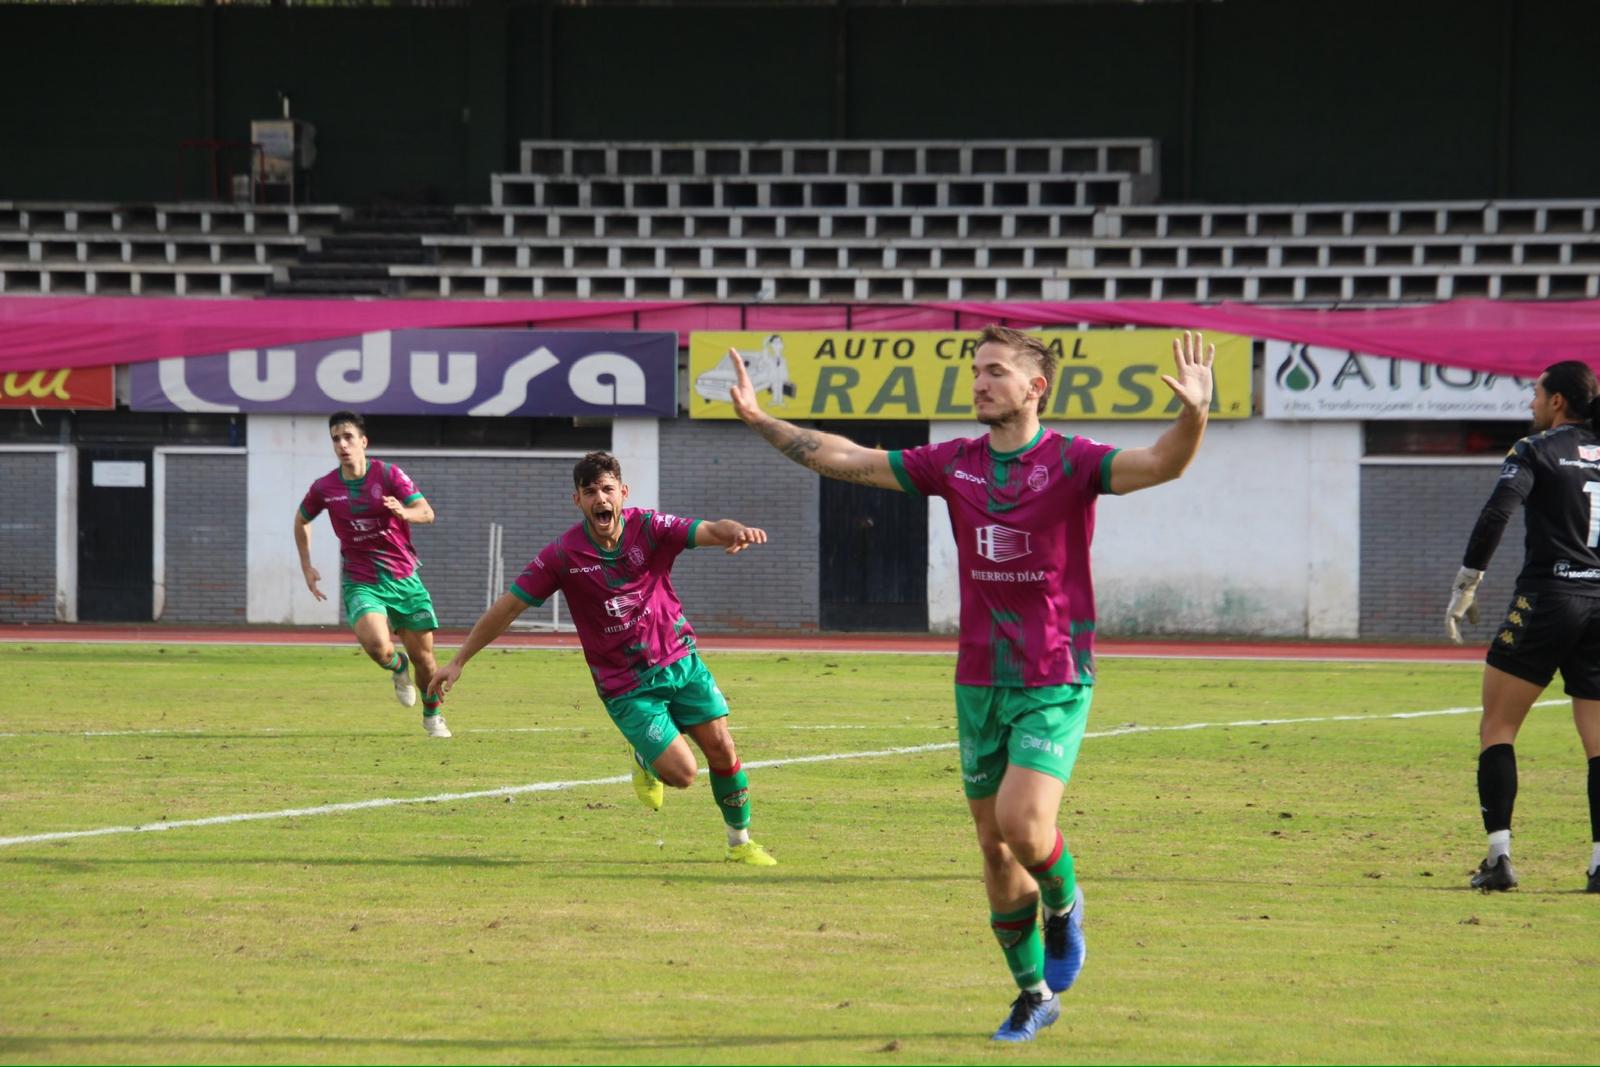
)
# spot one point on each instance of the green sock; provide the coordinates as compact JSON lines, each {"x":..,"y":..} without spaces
{"x":1058,"y":882}
{"x":397,"y":663}
{"x":431,"y":705}
{"x":732,"y":792}
{"x":1018,"y":934}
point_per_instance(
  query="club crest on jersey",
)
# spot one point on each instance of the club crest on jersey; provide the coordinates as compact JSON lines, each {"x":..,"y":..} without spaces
{"x":1039,"y":478}
{"x":636,"y":556}
{"x":620,"y":607}
{"x":1589,"y":452}
{"x":1001,"y":543}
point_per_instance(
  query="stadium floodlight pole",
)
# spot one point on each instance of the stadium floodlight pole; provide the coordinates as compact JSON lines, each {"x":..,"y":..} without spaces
{"x":1021,"y":502}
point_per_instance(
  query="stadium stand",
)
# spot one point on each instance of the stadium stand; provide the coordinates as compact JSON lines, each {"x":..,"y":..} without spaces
{"x":821,"y":221}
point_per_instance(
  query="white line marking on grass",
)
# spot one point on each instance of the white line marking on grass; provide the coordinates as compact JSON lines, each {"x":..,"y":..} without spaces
{"x":791,"y":761}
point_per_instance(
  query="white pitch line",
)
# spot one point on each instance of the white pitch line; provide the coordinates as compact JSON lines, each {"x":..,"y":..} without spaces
{"x":551,"y":787}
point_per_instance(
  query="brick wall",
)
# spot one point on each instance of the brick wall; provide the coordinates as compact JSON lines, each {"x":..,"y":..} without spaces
{"x":530,"y":498}
{"x":28,"y":537}
{"x":717,"y":470}
{"x":206,"y":510}
{"x":1415,"y":521}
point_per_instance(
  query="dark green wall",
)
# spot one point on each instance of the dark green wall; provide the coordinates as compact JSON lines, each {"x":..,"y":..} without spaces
{"x":1264,"y":100}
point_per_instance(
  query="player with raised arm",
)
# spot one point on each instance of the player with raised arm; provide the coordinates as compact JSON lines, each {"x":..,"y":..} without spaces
{"x":1553,"y":623}
{"x":372,"y":506}
{"x":614,"y":568}
{"x":1021,"y":500}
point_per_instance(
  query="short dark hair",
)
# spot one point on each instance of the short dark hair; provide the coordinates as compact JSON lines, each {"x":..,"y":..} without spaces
{"x":1575,"y":381}
{"x":594,"y":466}
{"x":339,"y":417}
{"x":1027,"y":345}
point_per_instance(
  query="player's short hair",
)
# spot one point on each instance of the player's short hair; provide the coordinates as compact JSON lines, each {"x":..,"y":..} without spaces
{"x":1027,"y":346}
{"x":594,"y":466}
{"x":341,"y":417}
{"x":1575,"y":381}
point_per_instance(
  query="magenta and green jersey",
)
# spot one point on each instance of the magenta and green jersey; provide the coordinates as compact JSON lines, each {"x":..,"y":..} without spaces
{"x":370,"y":535}
{"x":1023,"y":522}
{"x":629,"y":619}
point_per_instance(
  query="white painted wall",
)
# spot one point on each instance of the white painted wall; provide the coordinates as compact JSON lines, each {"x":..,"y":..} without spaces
{"x":286,"y":454}
{"x":636,"y":442}
{"x":1261,"y":536}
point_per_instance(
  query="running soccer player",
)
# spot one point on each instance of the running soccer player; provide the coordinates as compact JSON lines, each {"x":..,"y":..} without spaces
{"x":372,"y":506}
{"x":1021,"y":501}
{"x":614,"y":568}
{"x":1553,"y":622}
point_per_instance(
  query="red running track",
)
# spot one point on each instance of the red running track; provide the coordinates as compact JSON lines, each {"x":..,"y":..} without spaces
{"x":770,"y":642}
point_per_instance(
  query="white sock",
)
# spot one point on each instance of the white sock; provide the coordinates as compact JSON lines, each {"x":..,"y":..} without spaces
{"x":1499,"y":845}
{"x":737,"y":837}
{"x":1594,"y":857}
{"x":1043,"y":989}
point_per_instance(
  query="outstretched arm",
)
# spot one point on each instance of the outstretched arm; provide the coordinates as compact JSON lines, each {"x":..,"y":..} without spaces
{"x":501,"y":614}
{"x":1140,"y":468}
{"x":730,"y":535}
{"x":828,"y":454}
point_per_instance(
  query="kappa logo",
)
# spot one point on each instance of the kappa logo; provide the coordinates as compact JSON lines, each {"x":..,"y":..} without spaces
{"x":1039,"y":478}
{"x":620,"y":607}
{"x":1001,"y":543}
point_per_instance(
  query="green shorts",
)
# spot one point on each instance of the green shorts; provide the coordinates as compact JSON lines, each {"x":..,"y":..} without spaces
{"x":682,"y":693}
{"x":1039,"y":728}
{"x":404,"y":600}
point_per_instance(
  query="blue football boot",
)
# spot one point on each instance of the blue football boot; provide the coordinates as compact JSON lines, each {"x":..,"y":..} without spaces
{"x":1064,"y":948}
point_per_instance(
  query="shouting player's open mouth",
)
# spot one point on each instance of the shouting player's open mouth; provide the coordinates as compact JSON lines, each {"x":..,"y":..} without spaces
{"x":601,"y":517}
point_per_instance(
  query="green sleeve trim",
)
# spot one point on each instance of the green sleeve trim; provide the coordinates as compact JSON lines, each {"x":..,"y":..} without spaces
{"x":693,"y":526}
{"x":517,"y":591}
{"x":302,"y":510}
{"x":898,"y":464}
{"x":412,"y":499}
{"x":1105,"y":472}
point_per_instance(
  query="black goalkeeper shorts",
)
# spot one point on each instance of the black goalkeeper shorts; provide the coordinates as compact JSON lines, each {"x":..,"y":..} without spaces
{"x":1544,"y":632}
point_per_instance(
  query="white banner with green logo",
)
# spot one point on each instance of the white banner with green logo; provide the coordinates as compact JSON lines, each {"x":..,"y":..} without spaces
{"x":1307,"y":382}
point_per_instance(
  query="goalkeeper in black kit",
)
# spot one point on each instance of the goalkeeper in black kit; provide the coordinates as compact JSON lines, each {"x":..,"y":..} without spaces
{"x":1553,"y":623}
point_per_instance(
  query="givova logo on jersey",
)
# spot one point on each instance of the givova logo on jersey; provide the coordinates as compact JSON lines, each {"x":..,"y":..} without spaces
{"x":1001,"y":543}
{"x":620,"y":607}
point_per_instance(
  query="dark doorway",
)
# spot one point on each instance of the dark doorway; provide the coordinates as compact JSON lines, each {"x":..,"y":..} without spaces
{"x":874,"y":552}
{"x":115,"y":535}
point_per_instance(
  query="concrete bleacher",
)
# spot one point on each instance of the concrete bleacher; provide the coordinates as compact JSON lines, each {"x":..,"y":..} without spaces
{"x":830,"y":221}
{"x":177,"y":249}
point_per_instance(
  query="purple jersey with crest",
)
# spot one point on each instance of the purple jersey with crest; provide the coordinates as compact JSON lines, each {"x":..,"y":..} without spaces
{"x":628,"y":616}
{"x":1023,"y":522}
{"x":370,"y":535}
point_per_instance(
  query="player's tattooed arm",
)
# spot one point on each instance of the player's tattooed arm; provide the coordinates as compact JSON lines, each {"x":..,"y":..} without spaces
{"x":830,"y":455}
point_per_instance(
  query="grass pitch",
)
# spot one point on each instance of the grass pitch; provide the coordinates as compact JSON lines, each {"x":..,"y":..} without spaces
{"x":1284,"y":892}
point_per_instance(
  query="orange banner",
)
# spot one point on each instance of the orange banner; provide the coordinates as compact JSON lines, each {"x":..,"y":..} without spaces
{"x":79,"y":388}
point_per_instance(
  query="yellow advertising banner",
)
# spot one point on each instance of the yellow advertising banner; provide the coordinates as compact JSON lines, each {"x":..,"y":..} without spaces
{"x":1100,"y":374}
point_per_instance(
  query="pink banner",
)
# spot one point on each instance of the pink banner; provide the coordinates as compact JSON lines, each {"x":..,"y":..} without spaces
{"x":45,"y":332}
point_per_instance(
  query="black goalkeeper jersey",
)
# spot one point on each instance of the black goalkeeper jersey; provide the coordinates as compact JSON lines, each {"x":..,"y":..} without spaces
{"x":1556,"y":475}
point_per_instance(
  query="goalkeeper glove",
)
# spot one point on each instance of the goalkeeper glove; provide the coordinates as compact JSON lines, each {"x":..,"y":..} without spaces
{"x":1463,"y":602}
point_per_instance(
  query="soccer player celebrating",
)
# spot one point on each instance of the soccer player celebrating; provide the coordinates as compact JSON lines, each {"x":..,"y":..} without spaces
{"x":615,"y":570}
{"x":372,"y":506}
{"x":1554,"y":619}
{"x":1021,"y":501}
